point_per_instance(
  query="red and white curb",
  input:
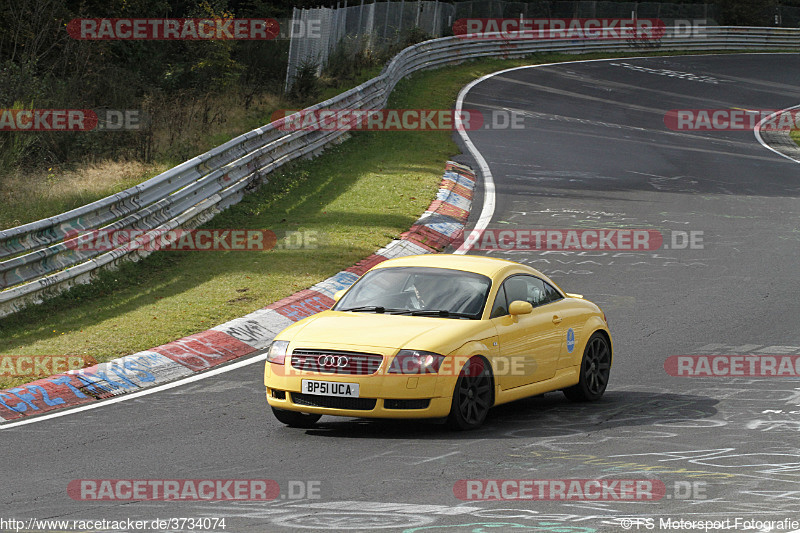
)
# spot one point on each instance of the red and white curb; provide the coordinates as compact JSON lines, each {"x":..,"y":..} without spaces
{"x":439,"y":226}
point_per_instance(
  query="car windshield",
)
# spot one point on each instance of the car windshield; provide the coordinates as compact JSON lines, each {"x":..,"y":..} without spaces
{"x":418,"y":291}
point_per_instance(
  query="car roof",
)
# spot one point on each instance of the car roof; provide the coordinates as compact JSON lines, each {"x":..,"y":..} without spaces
{"x":488,"y":266}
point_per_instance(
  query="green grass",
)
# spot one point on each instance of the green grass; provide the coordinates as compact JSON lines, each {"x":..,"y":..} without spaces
{"x":357,"y":196}
{"x":795,"y":135}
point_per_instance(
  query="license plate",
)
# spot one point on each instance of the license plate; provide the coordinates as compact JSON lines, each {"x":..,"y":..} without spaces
{"x":330,"y":388}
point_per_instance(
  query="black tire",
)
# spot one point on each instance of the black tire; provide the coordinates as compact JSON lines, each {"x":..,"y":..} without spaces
{"x":595,"y":371}
{"x":295,"y":419}
{"x":472,"y":396}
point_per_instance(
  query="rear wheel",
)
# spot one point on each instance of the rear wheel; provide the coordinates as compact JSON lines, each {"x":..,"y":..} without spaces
{"x":595,"y":370}
{"x":472,"y":396}
{"x":295,"y":419}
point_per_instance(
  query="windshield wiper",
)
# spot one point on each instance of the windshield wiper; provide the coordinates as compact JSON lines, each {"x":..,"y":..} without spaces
{"x":418,"y":312}
{"x":442,"y":313}
{"x":373,"y":308}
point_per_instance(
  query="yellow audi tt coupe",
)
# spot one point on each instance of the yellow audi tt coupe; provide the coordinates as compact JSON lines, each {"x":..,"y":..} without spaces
{"x":438,"y":336}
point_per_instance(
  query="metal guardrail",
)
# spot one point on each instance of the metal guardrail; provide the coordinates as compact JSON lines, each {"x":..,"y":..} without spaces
{"x":39,"y":260}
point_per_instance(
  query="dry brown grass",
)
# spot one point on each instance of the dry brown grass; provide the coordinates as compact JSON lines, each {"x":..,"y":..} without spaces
{"x":27,"y":196}
{"x":180,"y":129}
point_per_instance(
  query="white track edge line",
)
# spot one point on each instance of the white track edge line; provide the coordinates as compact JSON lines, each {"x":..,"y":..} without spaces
{"x":137,"y":394}
{"x":757,"y":132}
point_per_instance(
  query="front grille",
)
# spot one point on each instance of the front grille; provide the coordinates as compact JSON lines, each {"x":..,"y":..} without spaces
{"x":336,"y":362}
{"x":334,"y":402}
{"x":407,"y":404}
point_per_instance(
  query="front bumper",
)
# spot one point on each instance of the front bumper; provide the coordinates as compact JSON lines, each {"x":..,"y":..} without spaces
{"x":380,"y":395}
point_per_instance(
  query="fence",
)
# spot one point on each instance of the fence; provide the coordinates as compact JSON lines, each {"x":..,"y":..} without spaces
{"x":38,"y":261}
{"x":378,"y":25}
{"x":360,"y":27}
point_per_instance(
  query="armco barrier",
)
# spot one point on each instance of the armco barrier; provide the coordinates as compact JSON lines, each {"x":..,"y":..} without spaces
{"x":435,"y":229}
{"x":37,"y":262}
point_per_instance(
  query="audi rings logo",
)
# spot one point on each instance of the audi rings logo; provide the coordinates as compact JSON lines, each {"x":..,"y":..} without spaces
{"x":331,"y":361}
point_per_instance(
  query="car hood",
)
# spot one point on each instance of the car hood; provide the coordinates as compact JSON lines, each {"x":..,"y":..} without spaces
{"x":349,"y":329}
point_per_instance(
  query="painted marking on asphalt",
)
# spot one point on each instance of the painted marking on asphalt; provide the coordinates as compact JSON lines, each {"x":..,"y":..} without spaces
{"x":429,"y":459}
{"x":489,"y":200}
{"x":487,"y":211}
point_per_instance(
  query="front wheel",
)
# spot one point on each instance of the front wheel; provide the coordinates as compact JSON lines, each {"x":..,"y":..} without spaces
{"x":295,"y":419}
{"x":595,"y":370}
{"x":472,"y":396}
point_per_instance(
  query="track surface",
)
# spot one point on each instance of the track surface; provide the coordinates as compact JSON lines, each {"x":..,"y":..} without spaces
{"x":594,"y":153}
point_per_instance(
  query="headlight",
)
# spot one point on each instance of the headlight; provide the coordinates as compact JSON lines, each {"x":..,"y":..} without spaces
{"x":416,"y":362}
{"x":276,"y":353}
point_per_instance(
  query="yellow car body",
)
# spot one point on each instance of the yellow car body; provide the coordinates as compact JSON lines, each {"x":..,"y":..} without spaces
{"x":530,"y":349}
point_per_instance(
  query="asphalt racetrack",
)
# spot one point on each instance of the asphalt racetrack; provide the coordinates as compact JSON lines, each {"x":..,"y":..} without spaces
{"x":593,"y":152}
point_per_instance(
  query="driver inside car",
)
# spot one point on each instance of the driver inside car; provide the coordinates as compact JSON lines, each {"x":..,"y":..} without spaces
{"x":426,"y":291}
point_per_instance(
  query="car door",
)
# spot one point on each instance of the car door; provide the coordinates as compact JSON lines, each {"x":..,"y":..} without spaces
{"x":529,"y":344}
{"x":572,"y":325}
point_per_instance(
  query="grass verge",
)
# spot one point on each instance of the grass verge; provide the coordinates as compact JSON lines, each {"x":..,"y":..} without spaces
{"x":357,"y":196}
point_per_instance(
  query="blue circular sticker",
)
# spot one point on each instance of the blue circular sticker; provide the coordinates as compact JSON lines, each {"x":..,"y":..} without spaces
{"x":570,"y":340}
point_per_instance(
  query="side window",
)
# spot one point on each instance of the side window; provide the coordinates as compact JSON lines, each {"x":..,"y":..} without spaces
{"x":500,"y":307}
{"x":526,"y":288}
{"x":552,"y":293}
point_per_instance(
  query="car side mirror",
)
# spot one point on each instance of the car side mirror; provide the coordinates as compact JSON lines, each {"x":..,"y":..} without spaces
{"x":338,"y":295}
{"x":518,"y":307}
